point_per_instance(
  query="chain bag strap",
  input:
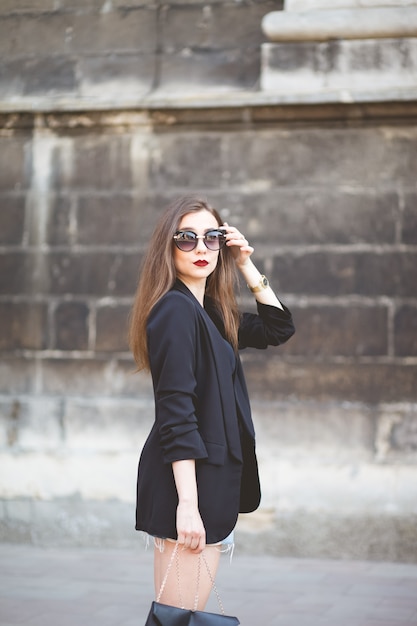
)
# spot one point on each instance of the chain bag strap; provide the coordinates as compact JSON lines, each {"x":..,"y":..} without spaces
{"x":175,"y":556}
{"x":167,"y":615}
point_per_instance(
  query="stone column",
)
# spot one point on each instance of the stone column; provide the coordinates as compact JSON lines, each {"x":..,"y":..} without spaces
{"x":342,"y":50}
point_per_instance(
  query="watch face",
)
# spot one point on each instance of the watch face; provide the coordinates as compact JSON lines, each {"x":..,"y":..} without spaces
{"x":265,"y":281}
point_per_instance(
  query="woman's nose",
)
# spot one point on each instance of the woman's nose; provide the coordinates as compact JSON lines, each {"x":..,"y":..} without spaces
{"x":201,"y":246}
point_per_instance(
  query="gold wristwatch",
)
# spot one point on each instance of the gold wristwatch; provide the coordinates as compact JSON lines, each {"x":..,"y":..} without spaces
{"x":263,"y":284}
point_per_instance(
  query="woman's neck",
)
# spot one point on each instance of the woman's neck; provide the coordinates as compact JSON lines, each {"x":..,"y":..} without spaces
{"x":197,"y":288}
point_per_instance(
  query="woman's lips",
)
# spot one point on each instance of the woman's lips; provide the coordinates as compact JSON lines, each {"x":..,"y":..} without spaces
{"x":201,"y":263}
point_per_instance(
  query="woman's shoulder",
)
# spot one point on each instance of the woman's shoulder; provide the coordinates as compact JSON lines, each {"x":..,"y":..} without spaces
{"x":174,"y":302}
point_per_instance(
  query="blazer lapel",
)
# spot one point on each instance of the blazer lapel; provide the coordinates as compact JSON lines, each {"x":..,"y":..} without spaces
{"x":227,"y":394}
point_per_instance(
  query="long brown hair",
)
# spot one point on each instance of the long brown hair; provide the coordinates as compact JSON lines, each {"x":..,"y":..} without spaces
{"x":158,"y":275}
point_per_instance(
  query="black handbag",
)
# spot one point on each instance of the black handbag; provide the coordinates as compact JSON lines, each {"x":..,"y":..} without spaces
{"x":167,"y":615}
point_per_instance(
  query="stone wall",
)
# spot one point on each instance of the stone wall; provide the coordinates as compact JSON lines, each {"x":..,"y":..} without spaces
{"x":326,"y":192}
{"x":101,"y":50}
{"x":330,"y":209}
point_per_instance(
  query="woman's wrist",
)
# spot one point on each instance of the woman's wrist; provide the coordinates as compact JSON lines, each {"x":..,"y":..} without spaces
{"x":259,"y":285}
{"x":250,"y":273}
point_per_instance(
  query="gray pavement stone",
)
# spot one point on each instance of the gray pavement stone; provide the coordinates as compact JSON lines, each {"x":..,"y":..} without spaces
{"x":113,"y":587}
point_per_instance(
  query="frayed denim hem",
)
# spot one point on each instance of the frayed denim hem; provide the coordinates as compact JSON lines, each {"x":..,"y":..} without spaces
{"x":226,"y":546}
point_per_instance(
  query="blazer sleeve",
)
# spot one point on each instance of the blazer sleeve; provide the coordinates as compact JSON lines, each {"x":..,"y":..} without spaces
{"x":172,"y":332}
{"x":271,"y":327}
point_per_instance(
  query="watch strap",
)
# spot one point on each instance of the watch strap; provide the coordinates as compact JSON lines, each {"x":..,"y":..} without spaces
{"x":263,"y":284}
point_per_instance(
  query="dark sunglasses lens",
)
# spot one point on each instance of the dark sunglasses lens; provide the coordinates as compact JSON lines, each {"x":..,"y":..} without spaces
{"x":214,"y":239}
{"x":186,"y":241}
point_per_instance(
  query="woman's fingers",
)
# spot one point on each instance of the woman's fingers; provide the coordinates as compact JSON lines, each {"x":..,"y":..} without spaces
{"x":195,"y":543}
{"x":190,"y":528}
{"x":238,"y":243}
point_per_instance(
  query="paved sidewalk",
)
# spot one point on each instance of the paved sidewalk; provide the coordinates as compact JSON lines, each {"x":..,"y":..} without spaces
{"x":80,"y":587}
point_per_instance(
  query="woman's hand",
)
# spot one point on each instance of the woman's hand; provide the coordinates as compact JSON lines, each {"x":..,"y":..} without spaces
{"x":242,"y":251}
{"x":190,"y":528}
{"x":238,"y":245}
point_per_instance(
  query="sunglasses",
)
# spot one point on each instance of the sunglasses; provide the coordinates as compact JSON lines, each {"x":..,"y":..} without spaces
{"x":187,"y":240}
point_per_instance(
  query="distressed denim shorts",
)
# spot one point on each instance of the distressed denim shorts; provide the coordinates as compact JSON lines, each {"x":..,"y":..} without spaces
{"x":227,"y":545}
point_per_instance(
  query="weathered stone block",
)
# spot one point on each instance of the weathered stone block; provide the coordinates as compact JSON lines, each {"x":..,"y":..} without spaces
{"x":124,"y":274}
{"x":112,"y":328}
{"x":90,"y":377}
{"x":34,"y":35}
{"x":24,"y":325}
{"x":26,"y":6}
{"x":115,"y":31}
{"x":93,"y":425}
{"x":97,"y":274}
{"x":210,"y":26}
{"x":409,"y":225}
{"x":364,"y":65}
{"x":215,"y":69}
{"x":270,"y":378}
{"x":405,"y":331}
{"x":174,"y":157}
{"x":17,"y":375}
{"x":113,"y":220}
{"x":133,"y":4}
{"x":59,"y":228}
{"x":392,"y":424}
{"x":316,"y":216}
{"x":74,"y":5}
{"x":9,"y":414}
{"x":339,"y":331}
{"x":127,"y":381}
{"x":404,"y":433}
{"x":391,"y":274}
{"x":97,"y":162}
{"x":307,"y":156}
{"x":27,"y":76}
{"x":15,"y":164}
{"x":68,"y":377}
{"x":128,"y":75}
{"x":48,"y":75}
{"x":79,"y":273}
{"x":12,"y":219}
{"x":395,"y":274}
{"x":11,"y":78}
{"x":19,"y":513}
{"x":148,"y":210}
{"x":32,"y":424}
{"x":16,"y":272}
{"x":315,"y":429}
{"x":71,"y":326}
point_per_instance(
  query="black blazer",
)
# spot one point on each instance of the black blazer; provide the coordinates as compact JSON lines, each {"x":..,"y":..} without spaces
{"x":202,"y":412}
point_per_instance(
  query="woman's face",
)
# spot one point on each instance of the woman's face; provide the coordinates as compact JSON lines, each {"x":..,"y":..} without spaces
{"x":195,"y":266}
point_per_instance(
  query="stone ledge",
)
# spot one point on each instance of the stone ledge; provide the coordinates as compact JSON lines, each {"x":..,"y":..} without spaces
{"x":266,"y":108}
{"x":326,"y":25}
{"x":318,"y":5}
{"x":162,"y":100}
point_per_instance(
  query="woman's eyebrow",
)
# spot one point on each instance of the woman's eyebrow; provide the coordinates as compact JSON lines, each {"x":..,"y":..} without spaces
{"x":206,"y":230}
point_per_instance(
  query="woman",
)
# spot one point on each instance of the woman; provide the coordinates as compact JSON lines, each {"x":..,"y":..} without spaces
{"x":198,"y":467}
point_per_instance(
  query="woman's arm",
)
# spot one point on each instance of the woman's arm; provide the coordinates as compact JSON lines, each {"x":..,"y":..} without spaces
{"x":242,"y":251}
{"x":190,"y":528}
{"x":172,"y":331}
{"x":273,"y":325}
{"x":252,"y":278}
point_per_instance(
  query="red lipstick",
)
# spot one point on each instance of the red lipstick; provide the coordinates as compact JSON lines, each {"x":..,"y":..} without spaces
{"x":201,"y":263}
